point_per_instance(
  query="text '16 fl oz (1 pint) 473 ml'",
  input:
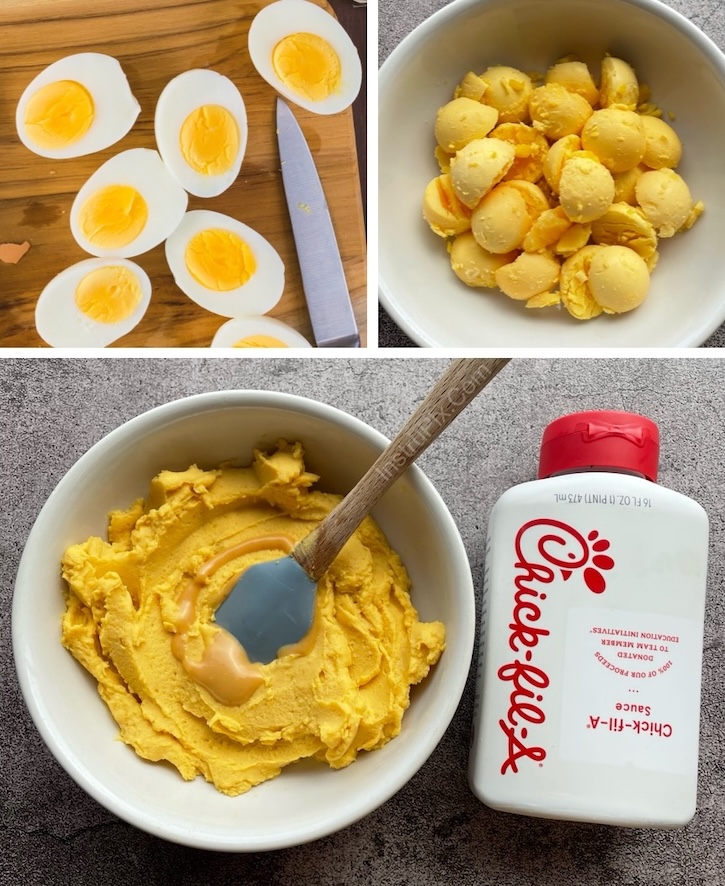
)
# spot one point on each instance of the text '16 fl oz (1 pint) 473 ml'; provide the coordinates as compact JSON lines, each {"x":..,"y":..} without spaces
{"x":588,"y":693}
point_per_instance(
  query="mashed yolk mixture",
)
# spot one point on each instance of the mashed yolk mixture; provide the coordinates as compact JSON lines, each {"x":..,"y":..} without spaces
{"x":140,"y":619}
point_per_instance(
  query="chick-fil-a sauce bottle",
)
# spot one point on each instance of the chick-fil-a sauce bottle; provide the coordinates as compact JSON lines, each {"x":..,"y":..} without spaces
{"x":588,"y":694}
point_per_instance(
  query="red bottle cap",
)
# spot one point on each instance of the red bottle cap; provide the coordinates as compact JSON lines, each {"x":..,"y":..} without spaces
{"x":600,"y":440}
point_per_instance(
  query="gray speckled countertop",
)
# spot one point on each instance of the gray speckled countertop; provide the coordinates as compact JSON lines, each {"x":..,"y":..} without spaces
{"x":397,"y":18}
{"x":433,"y":831}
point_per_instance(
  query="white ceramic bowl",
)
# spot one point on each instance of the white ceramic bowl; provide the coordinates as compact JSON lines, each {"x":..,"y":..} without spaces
{"x":686,"y":73}
{"x":307,"y":800}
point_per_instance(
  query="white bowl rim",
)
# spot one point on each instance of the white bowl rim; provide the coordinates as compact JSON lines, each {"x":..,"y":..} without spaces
{"x":72,"y":761}
{"x":396,"y":58}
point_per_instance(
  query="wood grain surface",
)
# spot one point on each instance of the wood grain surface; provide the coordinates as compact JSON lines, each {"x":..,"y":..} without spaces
{"x":155,"y":41}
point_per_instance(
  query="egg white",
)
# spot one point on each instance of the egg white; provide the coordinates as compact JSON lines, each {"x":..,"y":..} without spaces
{"x":243,"y":327}
{"x":261,"y":292}
{"x":61,"y":324}
{"x":115,"y":108}
{"x":180,"y":97}
{"x":284,"y":17}
{"x":144,"y":170}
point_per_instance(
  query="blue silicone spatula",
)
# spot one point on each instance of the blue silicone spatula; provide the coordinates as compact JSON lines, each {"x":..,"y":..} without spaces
{"x":272,"y":603}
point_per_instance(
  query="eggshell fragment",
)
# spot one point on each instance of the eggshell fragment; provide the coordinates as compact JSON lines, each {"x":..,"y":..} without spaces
{"x":11,"y":253}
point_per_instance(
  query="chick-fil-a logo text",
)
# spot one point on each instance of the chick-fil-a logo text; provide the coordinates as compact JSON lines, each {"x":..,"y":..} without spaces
{"x":546,"y":551}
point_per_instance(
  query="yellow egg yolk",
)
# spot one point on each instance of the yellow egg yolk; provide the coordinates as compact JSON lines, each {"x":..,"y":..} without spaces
{"x":259,"y":341}
{"x":220,"y":260}
{"x":59,"y":114}
{"x":113,"y":216}
{"x":109,"y":294}
{"x":209,"y":140}
{"x":307,"y":65}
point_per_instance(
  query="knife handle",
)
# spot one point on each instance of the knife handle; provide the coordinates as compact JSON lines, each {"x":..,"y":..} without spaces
{"x":460,"y":383}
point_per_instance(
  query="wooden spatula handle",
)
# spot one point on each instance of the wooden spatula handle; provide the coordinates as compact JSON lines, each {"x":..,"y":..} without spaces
{"x":455,"y":389}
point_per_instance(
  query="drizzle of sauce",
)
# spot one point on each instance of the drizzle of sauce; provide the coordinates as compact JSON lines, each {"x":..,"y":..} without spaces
{"x":224,"y":668}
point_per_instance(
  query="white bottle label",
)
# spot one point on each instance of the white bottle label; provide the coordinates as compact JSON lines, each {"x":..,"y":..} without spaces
{"x":588,"y":702}
{"x":627,"y":689}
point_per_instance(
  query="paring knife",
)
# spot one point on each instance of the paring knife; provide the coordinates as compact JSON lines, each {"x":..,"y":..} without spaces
{"x":323,"y":277}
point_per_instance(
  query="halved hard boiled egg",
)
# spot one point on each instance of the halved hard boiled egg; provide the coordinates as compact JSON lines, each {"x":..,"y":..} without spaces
{"x":306,"y":55}
{"x":92,"y":303}
{"x":80,"y":104}
{"x":201,"y":131}
{"x":223,"y":265}
{"x":129,"y":205}
{"x":258,"y":332}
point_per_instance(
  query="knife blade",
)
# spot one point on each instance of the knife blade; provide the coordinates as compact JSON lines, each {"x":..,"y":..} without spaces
{"x":323,"y":276}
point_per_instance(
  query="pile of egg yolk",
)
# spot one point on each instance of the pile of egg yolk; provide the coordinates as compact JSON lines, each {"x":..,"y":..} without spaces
{"x":592,"y":167}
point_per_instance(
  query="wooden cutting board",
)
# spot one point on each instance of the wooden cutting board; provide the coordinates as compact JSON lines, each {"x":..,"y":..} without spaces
{"x":155,"y":41}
